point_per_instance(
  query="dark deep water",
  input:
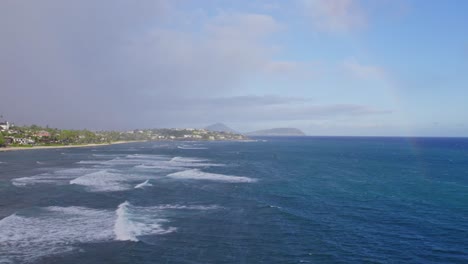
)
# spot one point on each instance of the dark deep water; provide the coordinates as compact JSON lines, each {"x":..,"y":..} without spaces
{"x":283,"y":200}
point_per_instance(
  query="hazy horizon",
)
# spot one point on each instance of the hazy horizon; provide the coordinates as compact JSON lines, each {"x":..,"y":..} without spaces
{"x":327,"y":67}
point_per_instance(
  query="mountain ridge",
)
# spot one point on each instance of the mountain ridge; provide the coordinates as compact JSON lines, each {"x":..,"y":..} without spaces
{"x":220,"y":127}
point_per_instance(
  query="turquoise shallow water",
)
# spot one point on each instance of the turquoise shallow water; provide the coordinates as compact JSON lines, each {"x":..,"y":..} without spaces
{"x":275,"y":200}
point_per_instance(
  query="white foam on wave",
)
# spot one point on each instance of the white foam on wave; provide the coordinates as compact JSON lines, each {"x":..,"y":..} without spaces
{"x":119,"y":160}
{"x":159,"y":166}
{"x":106,"y":155}
{"x":190,"y":147}
{"x":196,"y":174}
{"x":146,"y":157}
{"x":54,"y":177}
{"x":192,"y":162}
{"x":122,"y":227}
{"x":106,"y":181}
{"x":113,"y":180}
{"x":188,"y":160}
{"x":90,"y":162}
{"x":53,"y":230}
{"x":143,"y":184}
{"x":128,"y":225}
{"x":185,"y":207}
{"x":150,"y":161}
{"x":134,"y":221}
{"x":178,"y":163}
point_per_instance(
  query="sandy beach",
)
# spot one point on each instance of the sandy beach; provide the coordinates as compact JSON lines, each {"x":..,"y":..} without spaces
{"x":69,"y":146}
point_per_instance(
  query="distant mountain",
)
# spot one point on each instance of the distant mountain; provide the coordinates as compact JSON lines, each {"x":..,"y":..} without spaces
{"x":285,"y":131}
{"x":220,"y":127}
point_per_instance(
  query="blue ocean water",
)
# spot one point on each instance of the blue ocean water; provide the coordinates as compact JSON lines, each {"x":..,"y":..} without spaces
{"x":274,"y":200}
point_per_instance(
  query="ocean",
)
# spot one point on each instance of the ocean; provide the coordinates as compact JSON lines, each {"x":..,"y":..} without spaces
{"x":272,"y":200}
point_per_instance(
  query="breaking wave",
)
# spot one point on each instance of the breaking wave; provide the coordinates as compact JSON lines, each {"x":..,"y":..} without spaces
{"x":128,"y":225}
{"x":143,"y":184}
{"x":119,"y":160}
{"x":196,"y":174}
{"x":22,"y":237}
{"x":190,"y":147}
{"x":122,"y":227}
{"x":56,"y":177}
{"x":178,"y":163}
{"x":106,"y":181}
{"x":187,"y":160}
{"x":186,"y":207}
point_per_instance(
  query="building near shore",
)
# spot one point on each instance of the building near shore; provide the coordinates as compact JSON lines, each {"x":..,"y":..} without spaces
{"x":5,"y":126}
{"x":42,"y":134}
{"x":23,"y":141}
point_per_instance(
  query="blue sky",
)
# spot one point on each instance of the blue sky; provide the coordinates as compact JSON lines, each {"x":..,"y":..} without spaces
{"x":328,"y":67}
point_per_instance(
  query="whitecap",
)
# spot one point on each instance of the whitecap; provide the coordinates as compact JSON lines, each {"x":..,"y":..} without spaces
{"x":131,"y":223}
{"x":106,"y":181}
{"x":106,"y":155}
{"x":189,"y":147}
{"x":177,"y":163}
{"x":196,"y":174}
{"x":90,"y":162}
{"x":192,"y":162}
{"x":146,"y":157}
{"x":54,"y":177}
{"x":188,"y":160}
{"x":134,"y":221}
{"x":143,"y":184}
{"x":185,"y":207}
{"x":119,"y":160}
{"x":160,"y":166}
{"x":54,"y":230}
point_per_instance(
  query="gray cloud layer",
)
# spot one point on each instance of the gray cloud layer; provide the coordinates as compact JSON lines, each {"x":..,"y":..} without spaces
{"x":125,"y":64}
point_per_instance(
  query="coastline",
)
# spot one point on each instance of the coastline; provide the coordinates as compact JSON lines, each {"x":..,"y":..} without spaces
{"x":65,"y":146}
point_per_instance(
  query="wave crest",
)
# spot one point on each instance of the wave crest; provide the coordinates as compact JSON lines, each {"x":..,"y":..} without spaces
{"x":196,"y":174}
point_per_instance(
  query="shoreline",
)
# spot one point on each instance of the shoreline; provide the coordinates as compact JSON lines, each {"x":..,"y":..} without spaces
{"x":64,"y":146}
{"x":107,"y":144}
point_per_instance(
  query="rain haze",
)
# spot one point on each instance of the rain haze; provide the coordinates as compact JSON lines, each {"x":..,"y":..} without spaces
{"x":328,"y":67}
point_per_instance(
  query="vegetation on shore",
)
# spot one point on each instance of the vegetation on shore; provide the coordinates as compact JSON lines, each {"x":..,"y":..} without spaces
{"x":27,"y":136}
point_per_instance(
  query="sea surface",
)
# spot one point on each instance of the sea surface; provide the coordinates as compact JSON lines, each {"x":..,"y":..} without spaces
{"x":273,"y":200}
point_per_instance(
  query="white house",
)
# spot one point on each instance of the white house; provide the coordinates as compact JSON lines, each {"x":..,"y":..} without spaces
{"x":4,"y":126}
{"x":23,"y":141}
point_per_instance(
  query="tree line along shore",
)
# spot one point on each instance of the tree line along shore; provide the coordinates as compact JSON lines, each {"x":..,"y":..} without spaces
{"x":36,"y":136}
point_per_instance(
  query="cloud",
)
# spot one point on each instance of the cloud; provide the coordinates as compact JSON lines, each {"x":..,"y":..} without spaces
{"x":118,"y":65}
{"x":362,"y":71}
{"x":335,"y":15}
{"x":225,"y":51}
{"x":234,"y":25}
{"x":267,"y":109}
{"x":254,"y":101}
{"x":282,"y":66}
{"x":114,"y":64}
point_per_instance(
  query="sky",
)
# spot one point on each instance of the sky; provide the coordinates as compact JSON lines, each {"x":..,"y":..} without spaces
{"x":327,"y":67}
